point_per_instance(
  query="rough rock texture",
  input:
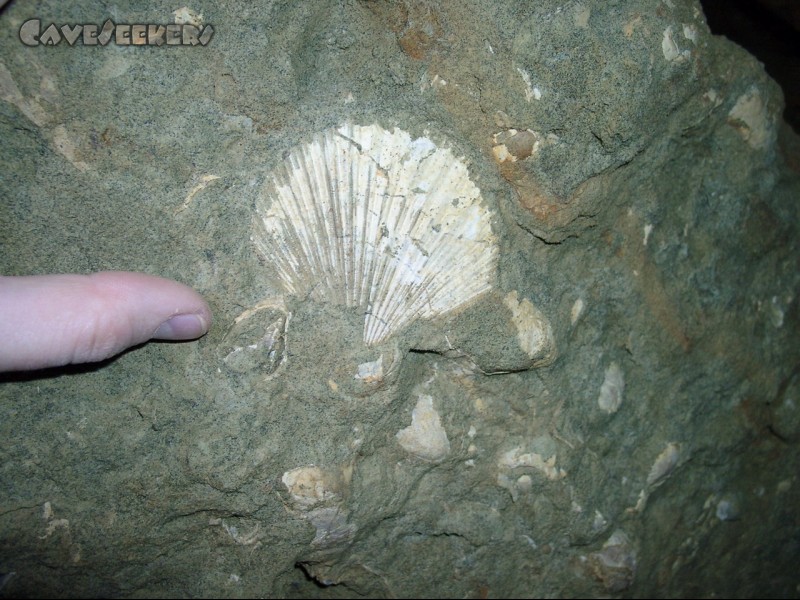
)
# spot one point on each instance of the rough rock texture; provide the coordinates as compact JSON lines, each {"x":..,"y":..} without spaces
{"x":645,"y":199}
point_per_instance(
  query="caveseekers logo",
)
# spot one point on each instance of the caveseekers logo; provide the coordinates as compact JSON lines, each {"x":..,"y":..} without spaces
{"x":178,"y":34}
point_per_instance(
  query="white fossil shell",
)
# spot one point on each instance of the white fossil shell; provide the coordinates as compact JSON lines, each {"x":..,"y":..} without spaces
{"x":309,"y":486}
{"x":425,"y":438}
{"x":612,"y":390}
{"x":664,"y":464}
{"x":366,"y":217}
{"x":534,"y":334}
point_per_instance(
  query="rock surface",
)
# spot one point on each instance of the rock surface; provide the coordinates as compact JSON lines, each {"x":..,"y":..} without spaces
{"x":644,"y":196}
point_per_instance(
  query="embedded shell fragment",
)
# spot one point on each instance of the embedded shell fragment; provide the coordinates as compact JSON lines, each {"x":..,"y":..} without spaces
{"x":366,"y":217}
{"x":612,"y":390}
{"x":615,"y":563}
{"x":425,"y":438}
{"x":257,"y":339}
{"x":534,"y":334}
{"x":315,"y":495}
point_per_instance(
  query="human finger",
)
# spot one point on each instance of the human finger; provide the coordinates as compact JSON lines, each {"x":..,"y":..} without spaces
{"x":53,"y":320}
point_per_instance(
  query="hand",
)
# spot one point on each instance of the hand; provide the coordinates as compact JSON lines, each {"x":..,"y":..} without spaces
{"x":54,"y":320}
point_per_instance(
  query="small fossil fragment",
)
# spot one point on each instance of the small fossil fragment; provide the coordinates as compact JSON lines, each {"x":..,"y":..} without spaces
{"x":257,"y":339}
{"x":425,"y":438}
{"x":534,"y":334}
{"x":612,"y":390}
{"x":664,"y":465}
{"x":662,"y":468}
{"x":615,"y":564}
{"x":512,"y":145}
{"x":316,"y":495}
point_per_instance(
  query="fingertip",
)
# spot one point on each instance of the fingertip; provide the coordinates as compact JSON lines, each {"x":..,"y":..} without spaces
{"x":48,"y":321}
{"x":181,"y":327}
{"x":156,"y":308}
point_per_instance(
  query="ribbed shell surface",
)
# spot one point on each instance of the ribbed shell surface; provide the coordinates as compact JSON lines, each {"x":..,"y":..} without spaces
{"x":366,"y":217}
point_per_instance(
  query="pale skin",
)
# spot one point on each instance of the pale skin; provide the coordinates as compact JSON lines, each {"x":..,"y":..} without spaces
{"x":56,"y":320}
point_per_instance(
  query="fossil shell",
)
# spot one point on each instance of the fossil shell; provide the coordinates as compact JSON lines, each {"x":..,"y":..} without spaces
{"x":316,"y":495}
{"x":257,"y":339}
{"x":615,"y":564}
{"x":425,"y":438}
{"x":612,"y":390}
{"x":665,"y":463}
{"x":310,"y":486}
{"x":534,"y":334}
{"x":366,"y":217}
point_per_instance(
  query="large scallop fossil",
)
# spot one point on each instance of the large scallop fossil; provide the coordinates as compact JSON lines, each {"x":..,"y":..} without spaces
{"x":366,"y":217}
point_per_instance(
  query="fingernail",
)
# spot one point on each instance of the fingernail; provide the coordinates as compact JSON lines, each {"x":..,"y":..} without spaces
{"x":181,"y":327}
